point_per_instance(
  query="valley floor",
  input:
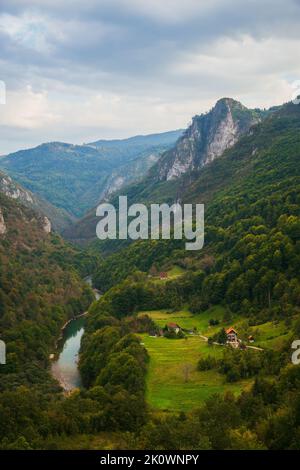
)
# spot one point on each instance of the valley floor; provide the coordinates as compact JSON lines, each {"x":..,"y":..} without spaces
{"x":173,"y":382}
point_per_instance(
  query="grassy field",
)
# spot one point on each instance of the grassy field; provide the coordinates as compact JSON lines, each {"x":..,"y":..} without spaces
{"x":173,"y":273}
{"x":187,"y":320}
{"x":271,"y":335}
{"x":173,"y":383}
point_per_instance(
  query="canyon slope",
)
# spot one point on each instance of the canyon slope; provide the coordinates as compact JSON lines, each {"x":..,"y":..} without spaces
{"x":75,"y":177}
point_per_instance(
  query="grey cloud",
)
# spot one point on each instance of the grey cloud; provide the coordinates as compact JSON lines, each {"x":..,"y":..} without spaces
{"x":127,"y":47}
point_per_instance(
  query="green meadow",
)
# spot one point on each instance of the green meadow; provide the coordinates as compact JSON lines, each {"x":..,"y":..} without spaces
{"x":172,"y":273}
{"x":173,"y":383}
{"x":272,"y":335}
{"x":187,"y":320}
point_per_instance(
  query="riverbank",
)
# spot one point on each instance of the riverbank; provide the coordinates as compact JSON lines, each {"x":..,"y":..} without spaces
{"x":61,"y":337}
{"x":64,"y":365}
{"x":89,"y":281}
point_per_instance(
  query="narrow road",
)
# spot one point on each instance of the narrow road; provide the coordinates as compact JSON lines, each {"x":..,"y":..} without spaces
{"x":205,"y":338}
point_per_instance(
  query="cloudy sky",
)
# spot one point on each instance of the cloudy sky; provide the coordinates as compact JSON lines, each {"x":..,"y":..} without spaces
{"x":78,"y":70}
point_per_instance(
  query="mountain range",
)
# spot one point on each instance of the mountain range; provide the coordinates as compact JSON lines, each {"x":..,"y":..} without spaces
{"x":73,"y":178}
{"x":143,"y":382}
{"x":205,"y":140}
{"x":67,"y":181}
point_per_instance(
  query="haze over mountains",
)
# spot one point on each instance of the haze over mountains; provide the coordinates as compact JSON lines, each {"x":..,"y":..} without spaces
{"x":246,"y":273}
{"x":137,"y":342}
{"x":75,"y":177}
{"x":205,"y":140}
{"x":66,"y":181}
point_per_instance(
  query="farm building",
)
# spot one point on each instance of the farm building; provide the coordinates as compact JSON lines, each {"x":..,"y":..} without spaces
{"x":232,"y":336}
{"x":173,"y":327}
{"x":163,"y":275}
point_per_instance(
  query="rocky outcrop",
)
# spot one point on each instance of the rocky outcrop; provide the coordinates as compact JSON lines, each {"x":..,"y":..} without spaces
{"x":46,"y":224}
{"x":207,"y":138}
{"x":59,"y":218}
{"x":14,"y":191}
{"x":2,"y":223}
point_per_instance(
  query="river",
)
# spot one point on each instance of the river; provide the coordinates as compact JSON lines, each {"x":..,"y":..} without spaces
{"x":64,"y":367}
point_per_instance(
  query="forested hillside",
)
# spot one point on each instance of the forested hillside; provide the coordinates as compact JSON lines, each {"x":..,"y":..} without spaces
{"x":75,"y":177}
{"x":205,"y":140}
{"x":59,"y":218}
{"x":251,"y":197}
{"x":246,"y":274}
{"x":40,"y":288}
{"x":249,"y":267}
{"x":260,"y":418}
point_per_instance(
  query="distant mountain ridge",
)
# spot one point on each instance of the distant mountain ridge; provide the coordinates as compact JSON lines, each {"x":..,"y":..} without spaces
{"x":75,"y":177}
{"x":205,"y":140}
{"x":139,"y":141}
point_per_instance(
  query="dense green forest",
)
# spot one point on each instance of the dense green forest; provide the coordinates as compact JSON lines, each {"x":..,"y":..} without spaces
{"x":74,"y":177}
{"x":40,"y":289}
{"x":267,"y":416}
{"x":251,"y":254}
{"x":249,"y":266}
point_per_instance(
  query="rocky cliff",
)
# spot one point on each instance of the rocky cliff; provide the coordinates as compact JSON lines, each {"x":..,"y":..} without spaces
{"x":2,"y":223}
{"x":58,"y":218}
{"x":207,"y":138}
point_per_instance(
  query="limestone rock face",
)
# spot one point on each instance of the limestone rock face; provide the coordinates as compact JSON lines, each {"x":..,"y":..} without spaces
{"x":14,"y":191}
{"x":58,"y":217}
{"x":2,"y":224}
{"x":46,"y":225}
{"x":207,"y":138}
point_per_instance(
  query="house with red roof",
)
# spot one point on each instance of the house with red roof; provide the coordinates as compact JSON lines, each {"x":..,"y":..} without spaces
{"x":163,"y":275}
{"x":173,"y":327}
{"x":232,"y":336}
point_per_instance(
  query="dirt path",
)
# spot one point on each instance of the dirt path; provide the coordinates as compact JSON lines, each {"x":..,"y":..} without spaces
{"x":205,"y":338}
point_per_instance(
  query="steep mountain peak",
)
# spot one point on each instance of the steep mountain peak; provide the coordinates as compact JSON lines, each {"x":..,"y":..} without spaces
{"x":229,"y":102}
{"x":208,"y":136}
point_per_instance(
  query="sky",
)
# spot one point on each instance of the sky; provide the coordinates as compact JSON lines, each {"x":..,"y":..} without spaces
{"x":78,"y":71}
